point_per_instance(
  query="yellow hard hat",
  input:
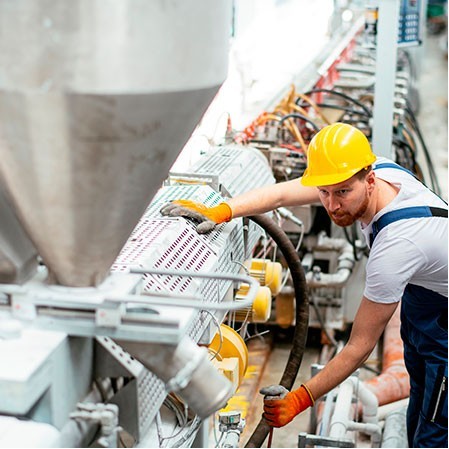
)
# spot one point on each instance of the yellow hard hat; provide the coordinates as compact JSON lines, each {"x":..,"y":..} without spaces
{"x":336,"y":153}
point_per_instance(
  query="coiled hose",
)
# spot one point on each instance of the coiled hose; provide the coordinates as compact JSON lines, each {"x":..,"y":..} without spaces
{"x":302,"y":315}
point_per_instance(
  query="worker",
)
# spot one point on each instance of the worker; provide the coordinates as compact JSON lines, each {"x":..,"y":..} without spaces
{"x":405,"y":225}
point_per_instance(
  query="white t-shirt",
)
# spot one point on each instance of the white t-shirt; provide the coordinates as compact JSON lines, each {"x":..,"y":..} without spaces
{"x":413,"y":250}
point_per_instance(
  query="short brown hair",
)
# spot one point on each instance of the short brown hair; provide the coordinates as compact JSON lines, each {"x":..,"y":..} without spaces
{"x":361,"y":174}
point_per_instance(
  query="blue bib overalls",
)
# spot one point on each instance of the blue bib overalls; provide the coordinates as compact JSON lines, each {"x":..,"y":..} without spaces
{"x":424,"y":333}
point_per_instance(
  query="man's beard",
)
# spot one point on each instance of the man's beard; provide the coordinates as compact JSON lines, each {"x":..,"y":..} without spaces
{"x":347,"y":218}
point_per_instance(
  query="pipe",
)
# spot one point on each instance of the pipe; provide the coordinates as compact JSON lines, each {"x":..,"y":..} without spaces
{"x":373,"y":430}
{"x":184,"y":369}
{"x":393,"y":383}
{"x":386,"y":409}
{"x":232,"y":438}
{"x":326,"y":413}
{"x":80,"y":433}
{"x":368,"y":399}
{"x":346,"y":262}
{"x":395,"y":431}
{"x":302,"y":315}
{"x":340,"y":423}
{"x":197,"y":302}
{"x":340,"y":419}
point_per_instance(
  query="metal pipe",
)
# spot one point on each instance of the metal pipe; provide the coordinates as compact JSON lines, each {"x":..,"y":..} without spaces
{"x":185,"y":369}
{"x":237,"y":305}
{"x":346,"y":262}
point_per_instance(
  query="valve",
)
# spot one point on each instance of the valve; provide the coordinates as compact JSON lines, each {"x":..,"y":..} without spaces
{"x":231,"y":424}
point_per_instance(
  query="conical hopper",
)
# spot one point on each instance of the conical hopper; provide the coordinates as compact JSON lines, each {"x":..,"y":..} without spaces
{"x":97,"y":98}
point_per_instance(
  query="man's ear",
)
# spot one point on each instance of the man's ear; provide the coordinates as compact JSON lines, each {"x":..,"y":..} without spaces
{"x":371,"y":179}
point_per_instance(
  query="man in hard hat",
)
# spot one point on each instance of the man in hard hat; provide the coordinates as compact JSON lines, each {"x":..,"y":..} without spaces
{"x":405,"y":225}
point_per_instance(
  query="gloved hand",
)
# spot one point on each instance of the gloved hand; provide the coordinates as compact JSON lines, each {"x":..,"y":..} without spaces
{"x":208,"y":217}
{"x":281,"y":406}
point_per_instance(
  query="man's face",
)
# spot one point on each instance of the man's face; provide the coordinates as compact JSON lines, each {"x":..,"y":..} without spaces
{"x":346,"y":201}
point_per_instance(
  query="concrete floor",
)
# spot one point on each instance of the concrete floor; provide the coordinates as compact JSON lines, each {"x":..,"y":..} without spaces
{"x":288,"y":435}
{"x":433,"y":120}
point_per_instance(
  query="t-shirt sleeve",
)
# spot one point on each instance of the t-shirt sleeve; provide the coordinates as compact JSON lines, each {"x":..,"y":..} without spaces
{"x":391,"y":264}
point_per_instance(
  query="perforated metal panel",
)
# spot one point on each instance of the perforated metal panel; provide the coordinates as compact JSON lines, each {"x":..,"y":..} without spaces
{"x":232,"y":164}
{"x":173,"y":244}
{"x":151,"y":395}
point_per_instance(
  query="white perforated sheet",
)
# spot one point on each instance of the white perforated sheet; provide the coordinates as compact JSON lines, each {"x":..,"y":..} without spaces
{"x":172,"y":243}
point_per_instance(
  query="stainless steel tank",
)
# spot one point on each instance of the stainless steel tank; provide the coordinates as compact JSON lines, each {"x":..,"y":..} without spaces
{"x":97,"y":98}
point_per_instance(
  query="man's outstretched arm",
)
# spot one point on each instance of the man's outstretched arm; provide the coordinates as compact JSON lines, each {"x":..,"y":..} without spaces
{"x":268,"y":198}
{"x":253,"y":202}
{"x":368,"y":326}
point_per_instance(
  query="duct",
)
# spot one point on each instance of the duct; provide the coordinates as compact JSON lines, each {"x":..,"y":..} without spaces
{"x":88,"y":127}
{"x":184,"y":369}
{"x":346,"y":262}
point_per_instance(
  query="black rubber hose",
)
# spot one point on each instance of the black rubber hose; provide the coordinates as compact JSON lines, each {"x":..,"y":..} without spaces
{"x":302,"y":315}
{"x":300,"y":116}
{"x":338,"y":94}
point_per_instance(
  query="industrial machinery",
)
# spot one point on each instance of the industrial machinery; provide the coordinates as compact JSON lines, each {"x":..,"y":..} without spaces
{"x":120,"y":327}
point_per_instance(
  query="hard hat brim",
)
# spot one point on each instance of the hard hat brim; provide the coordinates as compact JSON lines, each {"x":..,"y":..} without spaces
{"x":326,"y":180}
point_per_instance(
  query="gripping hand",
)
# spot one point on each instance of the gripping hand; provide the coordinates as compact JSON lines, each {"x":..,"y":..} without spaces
{"x":207,"y":217}
{"x":281,"y":406}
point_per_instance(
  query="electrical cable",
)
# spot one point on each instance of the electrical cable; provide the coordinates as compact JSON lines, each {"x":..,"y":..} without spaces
{"x":314,"y":106}
{"x":339,"y":94}
{"x":219,"y":440}
{"x":291,"y":126}
{"x":217,"y":324}
{"x":301,"y":314}
{"x":301,"y":117}
{"x":343,"y":108}
{"x":434,"y":181}
{"x":196,"y":422}
{"x":321,"y":321}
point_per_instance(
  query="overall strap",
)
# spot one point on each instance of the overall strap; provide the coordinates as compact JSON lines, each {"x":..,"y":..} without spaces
{"x":402,"y":214}
{"x":399,"y":167}
{"x":393,"y":165}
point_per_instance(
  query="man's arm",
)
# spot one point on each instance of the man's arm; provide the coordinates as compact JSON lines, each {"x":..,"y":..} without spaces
{"x":369,"y":323}
{"x":253,"y":202}
{"x":281,"y":406}
{"x":267,"y":198}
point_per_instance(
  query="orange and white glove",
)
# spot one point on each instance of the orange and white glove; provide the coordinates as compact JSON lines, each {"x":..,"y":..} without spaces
{"x":207,"y":217}
{"x":280,"y":406}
